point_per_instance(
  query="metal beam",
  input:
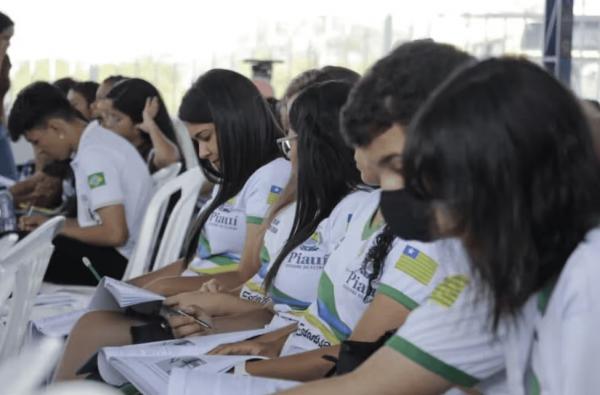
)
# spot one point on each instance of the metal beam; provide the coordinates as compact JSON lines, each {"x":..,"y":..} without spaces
{"x":558,"y":38}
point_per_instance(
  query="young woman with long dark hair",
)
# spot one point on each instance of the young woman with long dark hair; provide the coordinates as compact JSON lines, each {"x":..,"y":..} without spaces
{"x":504,"y":157}
{"x":136,"y":111}
{"x":300,"y":234}
{"x":236,"y":139}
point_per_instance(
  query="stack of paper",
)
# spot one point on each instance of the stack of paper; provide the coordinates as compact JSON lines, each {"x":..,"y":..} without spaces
{"x":110,"y":294}
{"x":197,"y":345}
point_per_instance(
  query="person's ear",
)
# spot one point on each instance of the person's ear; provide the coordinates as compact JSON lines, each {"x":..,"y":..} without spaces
{"x":57,"y":126}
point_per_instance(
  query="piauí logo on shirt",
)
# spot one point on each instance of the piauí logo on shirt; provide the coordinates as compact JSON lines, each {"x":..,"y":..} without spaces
{"x":223,"y":218}
{"x":357,"y":282}
{"x":312,"y":243}
{"x":228,"y":205}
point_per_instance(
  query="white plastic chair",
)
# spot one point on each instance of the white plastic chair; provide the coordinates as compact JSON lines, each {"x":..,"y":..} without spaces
{"x":25,"y":372}
{"x":21,"y":273}
{"x":166,"y":174}
{"x":6,"y":242}
{"x":190,"y":157}
{"x":189,"y":183}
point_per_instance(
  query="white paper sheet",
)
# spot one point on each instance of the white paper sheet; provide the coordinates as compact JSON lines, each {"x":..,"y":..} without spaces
{"x":197,"y":344}
{"x":190,"y":381}
{"x":113,"y":294}
{"x":150,"y":375}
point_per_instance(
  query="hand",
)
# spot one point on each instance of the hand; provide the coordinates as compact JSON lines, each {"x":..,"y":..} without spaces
{"x":148,"y":114}
{"x":183,"y":326}
{"x":212,"y":286}
{"x":29,"y":223}
{"x":248,"y":347}
{"x":213,"y":304}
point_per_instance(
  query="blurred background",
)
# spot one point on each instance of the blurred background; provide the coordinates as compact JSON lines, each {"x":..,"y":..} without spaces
{"x":171,"y":43}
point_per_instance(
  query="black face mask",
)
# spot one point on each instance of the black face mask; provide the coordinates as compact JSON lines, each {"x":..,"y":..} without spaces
{"x":408,"y":217}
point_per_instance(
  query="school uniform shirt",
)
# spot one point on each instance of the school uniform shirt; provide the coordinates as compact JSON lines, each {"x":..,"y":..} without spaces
{"x":298,"y":276}
{"x":223,"y":236}
{"x":408,"y":275}
{"x":108,"y":171}
{"x":551,"y":347}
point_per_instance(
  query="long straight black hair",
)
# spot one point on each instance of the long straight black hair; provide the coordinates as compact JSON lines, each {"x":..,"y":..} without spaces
{"x":246,"y":135}
{"x":326,"y":168}
{"x":129,"y":96}
{"x":507,"y":154}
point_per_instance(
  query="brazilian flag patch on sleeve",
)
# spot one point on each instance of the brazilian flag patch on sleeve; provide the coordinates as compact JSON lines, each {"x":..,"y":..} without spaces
{"x":96,"y":180}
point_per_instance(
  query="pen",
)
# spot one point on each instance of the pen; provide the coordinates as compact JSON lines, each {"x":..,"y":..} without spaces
{"x":197,"y":320}
{"x":88,"y":264}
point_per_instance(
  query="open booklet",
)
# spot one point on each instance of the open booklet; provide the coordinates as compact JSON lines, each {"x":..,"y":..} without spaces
{"x":150,"y":375}
{"x":110,"y":294}
{"x":113,"y":294}
{"x":184,"y":381}
{"x":148,"y":366}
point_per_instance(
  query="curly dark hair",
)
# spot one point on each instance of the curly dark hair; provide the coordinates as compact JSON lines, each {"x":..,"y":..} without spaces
{"x":396,"y":86}
{"x":373,"y":262}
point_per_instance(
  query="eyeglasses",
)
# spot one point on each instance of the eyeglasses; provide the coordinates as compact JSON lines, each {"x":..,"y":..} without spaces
{"x":285,"y":145}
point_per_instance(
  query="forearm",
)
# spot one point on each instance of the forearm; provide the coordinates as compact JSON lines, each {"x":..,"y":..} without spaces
{"x":239,"y":322}
{"x":233,"y":304}
{"x":165,"y":151}
{"x":99,"y":235}
{"x":231,"y":280}
{"x":305,"y":366}
{"x":170,"y":286}
{"x":171,"y":270}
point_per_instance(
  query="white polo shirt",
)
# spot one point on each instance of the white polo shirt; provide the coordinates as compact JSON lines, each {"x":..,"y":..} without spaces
{"x":109,"y":171}
{"x":224,"y":234}
{"x":551,"y":348}
{"x":410,"y":271}
{"x":297,"y":279}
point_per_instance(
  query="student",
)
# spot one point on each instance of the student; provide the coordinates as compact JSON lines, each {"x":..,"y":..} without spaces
{"x":81,"y":96}
{"x":135,"y":110}
{"x":300,"y":233}
{"x":99,"y":104}
{"x":372,"y":281}
{"x":530,"y":226}
{"x":7,"y":160}
{"x":65,"y":84}
{"x":236,"y":138}
{"x":113,"y":186}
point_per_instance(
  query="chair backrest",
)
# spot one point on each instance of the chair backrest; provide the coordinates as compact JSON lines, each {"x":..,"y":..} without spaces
{"x":189,"y":183}
{"x":166,"y":174}
{"x":21,"y":273}
{"x":190,"y":158}
{"x":6,"y":242}
{"x":24,"y":373}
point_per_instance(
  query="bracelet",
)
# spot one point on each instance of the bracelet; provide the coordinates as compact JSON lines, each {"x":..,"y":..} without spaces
{"x":239,"y":369}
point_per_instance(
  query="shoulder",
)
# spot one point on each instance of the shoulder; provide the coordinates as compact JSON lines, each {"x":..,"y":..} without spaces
{"x":578,"y":282}
{"x":274,"y":170}
{"x":273,"y":175}
{"x":351,"y":203}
